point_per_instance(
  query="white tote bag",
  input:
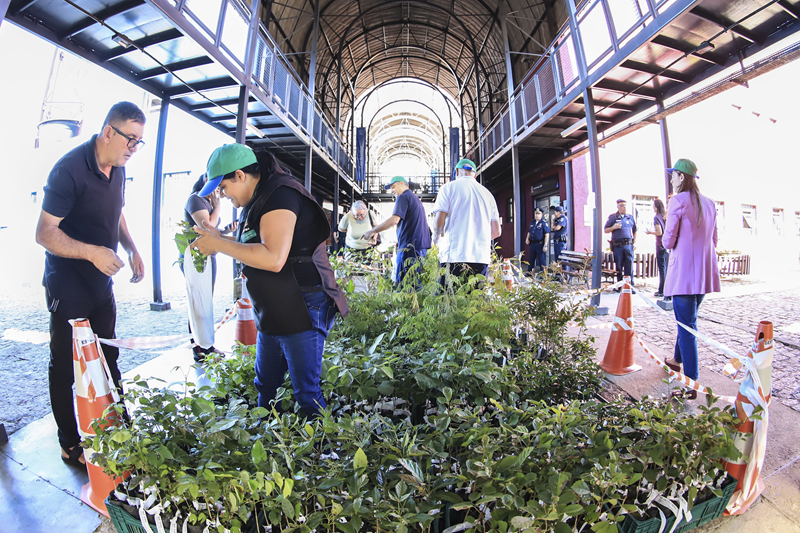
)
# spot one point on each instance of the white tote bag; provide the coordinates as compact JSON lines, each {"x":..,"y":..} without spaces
{"x":201,"y":304}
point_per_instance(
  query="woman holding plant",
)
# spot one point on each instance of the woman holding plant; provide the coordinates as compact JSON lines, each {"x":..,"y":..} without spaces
{"x":281,"y":243}
{"x":691,"y":235}
{"x":200,"y":210}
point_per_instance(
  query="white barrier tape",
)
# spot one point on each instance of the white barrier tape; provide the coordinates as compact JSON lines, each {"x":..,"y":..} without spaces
{"x":146,"y":343}
{"x":678,"y":376}
{"x":623,"y":323}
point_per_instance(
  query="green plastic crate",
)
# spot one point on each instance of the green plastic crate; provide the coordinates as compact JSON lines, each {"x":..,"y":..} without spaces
{"x":702,"y":514}
{"x":125,"y":523}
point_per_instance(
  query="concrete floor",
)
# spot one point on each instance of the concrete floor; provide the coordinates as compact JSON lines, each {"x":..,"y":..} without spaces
{"x":40,"y":494}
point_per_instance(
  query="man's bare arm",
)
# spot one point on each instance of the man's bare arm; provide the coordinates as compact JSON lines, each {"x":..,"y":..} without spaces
{"x":55,"y":241}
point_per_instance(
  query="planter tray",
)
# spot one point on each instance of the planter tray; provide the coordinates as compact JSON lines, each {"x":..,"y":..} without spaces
{"x":702,"y":513}
{"x":125,"y":523}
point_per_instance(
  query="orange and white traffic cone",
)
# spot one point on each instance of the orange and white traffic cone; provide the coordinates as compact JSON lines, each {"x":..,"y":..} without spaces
{"x":95,"y":390}
{"x":508,"y":278}
{"x":246,"y":331}
{"x":619,"y":357}
{"x":751,"y":440}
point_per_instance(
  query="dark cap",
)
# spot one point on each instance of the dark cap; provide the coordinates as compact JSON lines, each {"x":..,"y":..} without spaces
{"x":559,"y":209}
{"x":537,"y":210}
{"x":622,"y":200}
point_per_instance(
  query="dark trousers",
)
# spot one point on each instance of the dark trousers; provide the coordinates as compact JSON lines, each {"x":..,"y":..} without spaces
{"x":102,"y":317}
{"x":558,"y":247}
{"x":465,"y":270}
{"x":661,"y":261}
{"x":623,"y":258}
{"x":409,"y":261}
{"x":685,"y":307}
{"x":538,"y":257}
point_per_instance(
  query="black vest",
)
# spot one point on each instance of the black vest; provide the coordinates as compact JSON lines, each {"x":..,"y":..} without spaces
{"x":278,"y":302}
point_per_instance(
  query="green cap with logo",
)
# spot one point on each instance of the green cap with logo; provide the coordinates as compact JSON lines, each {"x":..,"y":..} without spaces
{"x":396,"y":179}
{"x":686,"y":166}
{"x":224,"y":160}
{"x":466,"y":164}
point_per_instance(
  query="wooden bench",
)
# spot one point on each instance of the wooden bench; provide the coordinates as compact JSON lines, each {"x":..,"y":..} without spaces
{"x":578,"y":263}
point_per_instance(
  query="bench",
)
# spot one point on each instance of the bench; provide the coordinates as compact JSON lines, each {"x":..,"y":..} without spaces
{"x":578,"y":263}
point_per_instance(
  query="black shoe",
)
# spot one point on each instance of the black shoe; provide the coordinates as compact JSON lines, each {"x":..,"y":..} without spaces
{"x":658,"y":294}
{"x":668,"y":298}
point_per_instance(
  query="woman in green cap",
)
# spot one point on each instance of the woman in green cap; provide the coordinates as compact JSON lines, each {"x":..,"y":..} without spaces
{"x":281,"y":243}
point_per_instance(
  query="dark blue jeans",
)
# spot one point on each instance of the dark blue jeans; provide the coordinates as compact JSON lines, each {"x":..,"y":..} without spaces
{"x":623,"y":258}
{"x":558,"y":247}
{"x":300,"y":354}
{"x":408,"y":261}
{"x":685,"y":307}
{"x":661,"y":260}
{"x":538,"y":257}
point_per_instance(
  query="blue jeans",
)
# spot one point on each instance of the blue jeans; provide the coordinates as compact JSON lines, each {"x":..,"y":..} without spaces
{"x":408,"y":261}
{"x":685,"y":307}
{"x":558,"y":247}
{"x":661,"y":261}
{"x":623,"y":258}
{"x":300,"y":354}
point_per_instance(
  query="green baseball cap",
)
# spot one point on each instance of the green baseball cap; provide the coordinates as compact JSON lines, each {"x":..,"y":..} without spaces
{"x":224,"y":160}
{"x":686,"y":166}
{"x":396,"y":179}
{"x":466,"y":164}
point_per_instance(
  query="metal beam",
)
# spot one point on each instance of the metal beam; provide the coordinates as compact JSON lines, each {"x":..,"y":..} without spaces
{"x":789,"y":8}
{"x":144,"y":42}
{"x":256,"y":114}
{"x":3,"y":9}
{"x":655,"y":69}
{"x":217,"y":103}
{"x":205,"y":85}
{"x":686,"y":48}
{"x":174,"y":67}
{"x":111,"y":11}
{"x":665,"y":150}
{"x":726,"y":25}
{"x":622,"y":87}
{"x":158,"y":199}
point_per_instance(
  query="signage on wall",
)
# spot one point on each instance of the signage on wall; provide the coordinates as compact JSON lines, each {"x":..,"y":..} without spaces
{"x":546,"y":184}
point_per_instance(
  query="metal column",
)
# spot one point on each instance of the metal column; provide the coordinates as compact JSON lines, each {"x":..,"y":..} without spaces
{"x":519,"y":222}
{"x":3,"y":9}
{"x":158,"y":199}
{"x":665,"y":148}
{"x":312,"y":82}
{"x":594,"y":155}
{"x":570,"y":202}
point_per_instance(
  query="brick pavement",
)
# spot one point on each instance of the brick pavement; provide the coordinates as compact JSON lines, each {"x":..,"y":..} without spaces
{"x":733,"y":321}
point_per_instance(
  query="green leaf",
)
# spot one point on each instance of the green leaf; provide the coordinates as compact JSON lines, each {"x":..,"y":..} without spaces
{"x":360,"y":459}
{"x":573,"y":510}
{"x":506,"y":463}
{"x":386,"y":388}
{"x":386,"y":369}
{"x":121,"y":436}
{"x":258,"y":453}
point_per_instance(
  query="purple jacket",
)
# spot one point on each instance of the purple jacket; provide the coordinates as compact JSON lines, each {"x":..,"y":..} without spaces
{"x":693,"y":265}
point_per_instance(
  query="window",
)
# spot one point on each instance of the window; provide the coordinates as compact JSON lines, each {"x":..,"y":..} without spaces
{"x":778,"y":221}
{"x":720,"y":216}
{"x":749,"y":219}
{"x":511,"y":210}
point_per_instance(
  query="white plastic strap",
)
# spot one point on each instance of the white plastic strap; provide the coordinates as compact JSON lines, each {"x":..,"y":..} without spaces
{"x":143,"y":520}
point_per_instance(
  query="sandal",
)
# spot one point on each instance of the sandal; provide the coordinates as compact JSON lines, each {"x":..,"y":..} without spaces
{"x":74,"y":456}
{"x":685,"y":394}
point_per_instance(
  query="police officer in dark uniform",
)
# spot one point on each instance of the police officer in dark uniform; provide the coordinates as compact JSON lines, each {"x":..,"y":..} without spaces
{"x":538,"y":239}
{"x":622,"y":228}
{"x":560,"y":223}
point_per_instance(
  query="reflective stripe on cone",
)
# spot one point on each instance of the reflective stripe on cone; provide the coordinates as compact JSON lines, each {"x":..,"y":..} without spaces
{"x":619,"y":357}
{"x":95,"y":391}
{"x":751,"y":440}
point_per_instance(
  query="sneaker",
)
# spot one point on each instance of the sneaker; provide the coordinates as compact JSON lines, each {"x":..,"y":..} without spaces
{"x":658,"y":294}
{"x":199,"y":354}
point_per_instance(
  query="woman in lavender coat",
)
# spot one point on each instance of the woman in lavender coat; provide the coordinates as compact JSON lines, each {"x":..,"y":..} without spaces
{"x":691,"y":235}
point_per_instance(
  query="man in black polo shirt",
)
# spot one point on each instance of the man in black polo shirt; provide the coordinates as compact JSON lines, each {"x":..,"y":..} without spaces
{"x":80,"y":226}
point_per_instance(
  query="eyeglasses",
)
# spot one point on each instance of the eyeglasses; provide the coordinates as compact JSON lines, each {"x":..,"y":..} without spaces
{"x":133,"y":142}
{"x":360,"y":216}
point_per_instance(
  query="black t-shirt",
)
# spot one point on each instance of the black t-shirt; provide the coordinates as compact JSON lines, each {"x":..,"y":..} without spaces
{"x":194,"y":204}
{"x":91,"y":206}
{"x":304,"y":239}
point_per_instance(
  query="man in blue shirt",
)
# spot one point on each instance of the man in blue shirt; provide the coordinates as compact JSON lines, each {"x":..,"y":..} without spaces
{"x":622,"y":228}
{"x":538,"y":239}
{"x":560,"y":224}
{"x":413,"y":233}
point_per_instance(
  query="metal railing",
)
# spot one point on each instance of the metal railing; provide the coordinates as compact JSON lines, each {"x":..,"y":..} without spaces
{"x":604,"y":26}
{"x":423,"y":184}
{"x":225,"y":24}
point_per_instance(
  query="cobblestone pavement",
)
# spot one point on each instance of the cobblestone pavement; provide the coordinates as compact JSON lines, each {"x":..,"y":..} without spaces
{"x":733,"y":321}
{"x":25,"y":352}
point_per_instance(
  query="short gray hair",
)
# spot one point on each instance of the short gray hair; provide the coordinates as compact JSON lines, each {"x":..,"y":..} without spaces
{"x":358,"y":206}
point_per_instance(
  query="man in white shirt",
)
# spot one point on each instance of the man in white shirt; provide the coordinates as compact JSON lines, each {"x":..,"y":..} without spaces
{"x":466,"y":222}
{"x":355,"y":223}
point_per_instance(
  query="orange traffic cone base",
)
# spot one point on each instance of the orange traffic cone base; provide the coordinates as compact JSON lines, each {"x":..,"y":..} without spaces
{"x":616,"y":371}
{"x":87,"y":496}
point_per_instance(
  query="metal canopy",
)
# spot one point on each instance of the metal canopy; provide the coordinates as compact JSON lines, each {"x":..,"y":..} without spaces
{"x":639,"y":55}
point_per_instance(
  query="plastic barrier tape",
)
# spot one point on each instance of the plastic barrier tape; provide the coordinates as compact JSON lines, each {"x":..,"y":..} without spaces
{"x":144,"y":343}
